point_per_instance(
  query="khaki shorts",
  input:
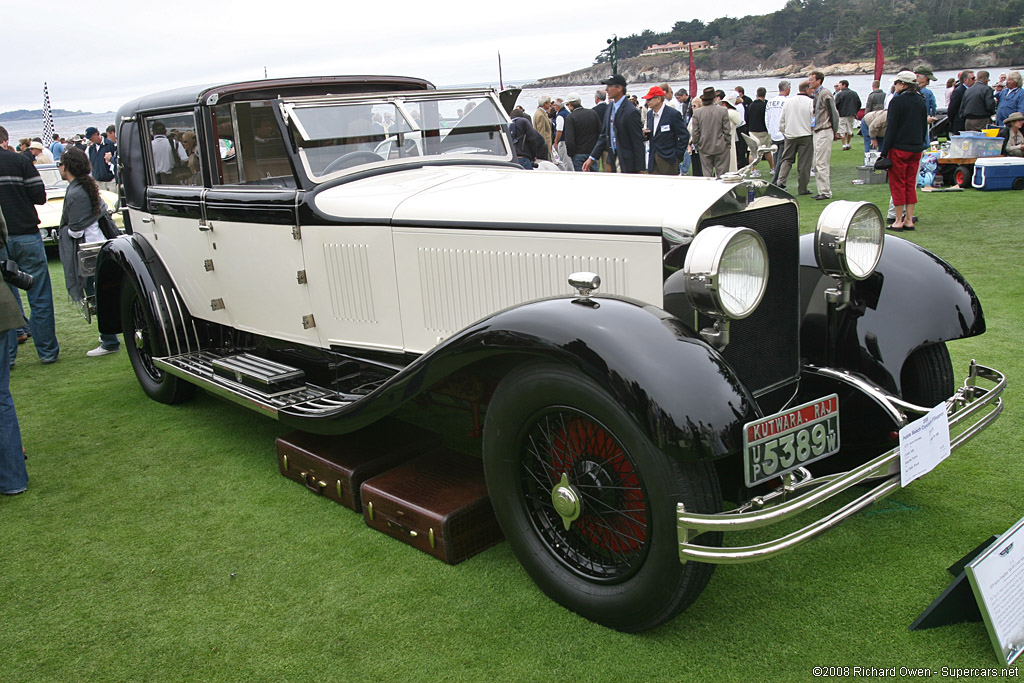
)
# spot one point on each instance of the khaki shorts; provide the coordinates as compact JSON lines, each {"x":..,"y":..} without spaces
{"x":764,"y":139}
{"x":848,"y":125}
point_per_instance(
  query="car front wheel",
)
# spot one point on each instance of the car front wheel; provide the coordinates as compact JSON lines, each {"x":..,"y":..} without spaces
{"x":927,"y":377}
{"x":588,"y":503}
{"x":139,"y":334}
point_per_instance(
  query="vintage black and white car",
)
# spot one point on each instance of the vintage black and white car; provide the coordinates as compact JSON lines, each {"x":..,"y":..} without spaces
{"x":331,"y":248}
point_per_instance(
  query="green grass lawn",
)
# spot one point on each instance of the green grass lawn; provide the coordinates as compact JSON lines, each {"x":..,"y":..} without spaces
{"x":160,"y":543}
{"x":976,"y":40}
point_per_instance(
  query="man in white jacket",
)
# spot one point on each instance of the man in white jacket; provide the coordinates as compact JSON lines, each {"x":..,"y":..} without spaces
{"x":795,"y":126}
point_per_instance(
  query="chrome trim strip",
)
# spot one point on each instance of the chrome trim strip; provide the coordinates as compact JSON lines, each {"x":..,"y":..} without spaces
{"x":170,"y":318}
{"x":163,"y":324}
{"x":967,"y":403}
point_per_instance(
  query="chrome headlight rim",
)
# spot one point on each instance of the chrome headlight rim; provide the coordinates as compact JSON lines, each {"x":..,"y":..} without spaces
{"x":832,"y":240}
{"x":703,"y":270}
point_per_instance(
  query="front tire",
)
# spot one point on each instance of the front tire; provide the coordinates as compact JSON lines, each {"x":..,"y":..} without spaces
{"x":927,"y":377}
{"x":553,"y":436}
{"x":139,"y":336}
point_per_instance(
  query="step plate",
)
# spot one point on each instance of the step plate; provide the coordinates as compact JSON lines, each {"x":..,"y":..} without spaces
{"x":304,"y":399}
{"x":257,"y":372}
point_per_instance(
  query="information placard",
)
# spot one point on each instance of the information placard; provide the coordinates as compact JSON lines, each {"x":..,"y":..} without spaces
{"x":924,"y":443}
{"x":997,"y":578}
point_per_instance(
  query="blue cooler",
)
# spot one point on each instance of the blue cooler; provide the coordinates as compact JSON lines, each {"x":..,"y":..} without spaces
{"x":999,"y":173}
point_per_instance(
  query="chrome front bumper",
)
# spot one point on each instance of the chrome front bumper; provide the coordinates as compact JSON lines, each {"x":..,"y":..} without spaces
{"x":971,"y":409}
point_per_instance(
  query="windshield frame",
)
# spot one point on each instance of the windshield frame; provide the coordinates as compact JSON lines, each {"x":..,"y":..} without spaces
{"x":291,"y":113}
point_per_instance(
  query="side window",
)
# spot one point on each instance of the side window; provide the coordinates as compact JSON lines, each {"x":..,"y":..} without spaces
{"x":251,"y":148}
{"x":227,"y":156}
{"x":174,"y":158}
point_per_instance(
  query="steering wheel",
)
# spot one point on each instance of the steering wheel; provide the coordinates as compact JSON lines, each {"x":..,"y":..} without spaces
{"x":352,"y":159}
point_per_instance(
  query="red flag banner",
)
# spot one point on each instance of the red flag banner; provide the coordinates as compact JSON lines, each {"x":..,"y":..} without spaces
{"x":693,"y":75}
{"x":879,"y":56}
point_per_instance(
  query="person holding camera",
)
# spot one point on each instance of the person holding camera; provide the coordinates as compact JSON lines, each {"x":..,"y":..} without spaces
{"x":79,"y":223}
{"x":20,"y":189}
{"x":13,"y":475}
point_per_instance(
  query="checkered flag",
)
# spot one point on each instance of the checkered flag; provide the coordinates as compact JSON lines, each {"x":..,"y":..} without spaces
{"x":47,"y":117}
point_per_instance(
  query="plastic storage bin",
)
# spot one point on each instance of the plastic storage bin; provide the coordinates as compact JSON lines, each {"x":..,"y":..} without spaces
{"x":1001,"y":173}
{"x":972,"y":146}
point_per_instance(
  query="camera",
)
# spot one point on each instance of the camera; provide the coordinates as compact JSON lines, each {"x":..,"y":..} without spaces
{"x":13,"y":275}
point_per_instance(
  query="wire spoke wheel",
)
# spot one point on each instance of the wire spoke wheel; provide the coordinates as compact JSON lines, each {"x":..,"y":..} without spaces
{"x":140,"y":339}
{"x":139,"y":334}
{"x":587,"y":501}
{"x":608,"y":539}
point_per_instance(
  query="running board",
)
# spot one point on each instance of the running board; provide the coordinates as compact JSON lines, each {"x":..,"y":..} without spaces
{"x":277,"y":387}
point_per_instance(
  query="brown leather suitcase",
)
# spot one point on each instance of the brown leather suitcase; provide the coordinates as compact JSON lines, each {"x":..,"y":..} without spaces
{"x":335,"y":466}
{"x":437,"y":503}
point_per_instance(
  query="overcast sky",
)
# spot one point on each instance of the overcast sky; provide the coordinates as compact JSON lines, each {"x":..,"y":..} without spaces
{"x":129,"y":49}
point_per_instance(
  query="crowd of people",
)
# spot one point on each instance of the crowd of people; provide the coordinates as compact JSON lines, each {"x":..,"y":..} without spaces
{"x":88,"y":164}
{"x":710,"y":134}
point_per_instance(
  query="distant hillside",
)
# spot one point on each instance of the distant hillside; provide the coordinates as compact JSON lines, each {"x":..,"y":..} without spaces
{"x":823,"y":34}
{"x":35,"y":114}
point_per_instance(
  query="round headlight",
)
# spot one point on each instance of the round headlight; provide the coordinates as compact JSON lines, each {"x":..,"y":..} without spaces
{"x":726,"y":271}
{"x":848,"y":241}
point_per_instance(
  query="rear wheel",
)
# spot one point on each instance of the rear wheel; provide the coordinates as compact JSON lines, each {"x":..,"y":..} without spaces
{"x":927,"y":377}
{"x":1018,"y":183}
{"x":139,"y":336}
{"x":588,"y":503}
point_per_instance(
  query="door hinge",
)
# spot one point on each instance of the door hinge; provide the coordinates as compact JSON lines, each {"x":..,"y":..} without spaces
{"x":297,"y":232}
{"x":308,"y":321}
{"x":300,"y":277}
{"x":217,"y":304}
{"x":208,"y":264}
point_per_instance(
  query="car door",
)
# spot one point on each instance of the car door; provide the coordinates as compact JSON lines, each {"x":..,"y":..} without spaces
{"x":255,"y":271}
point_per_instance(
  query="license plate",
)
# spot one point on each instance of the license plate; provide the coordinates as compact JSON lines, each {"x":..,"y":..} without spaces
{"x":790,"y":439}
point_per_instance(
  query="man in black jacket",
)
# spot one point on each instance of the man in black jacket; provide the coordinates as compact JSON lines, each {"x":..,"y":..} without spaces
{"x":954,"y":110}
{"x":20,"y":189}
{"x":668,"y":135}
{"x":622,"y":135}
{"x":582,"y":129}
{"x":847,"y":104}
{"x":979,"y":104}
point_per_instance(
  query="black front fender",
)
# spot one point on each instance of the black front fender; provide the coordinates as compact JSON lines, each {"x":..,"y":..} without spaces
{"x":913,"y":299}
{"x":677,"y":388}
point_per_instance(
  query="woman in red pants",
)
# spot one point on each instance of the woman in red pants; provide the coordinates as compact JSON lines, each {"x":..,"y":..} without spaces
{"x":906,"y":136}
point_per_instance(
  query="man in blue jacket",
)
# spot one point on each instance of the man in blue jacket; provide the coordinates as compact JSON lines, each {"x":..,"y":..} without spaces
{"x":667,"y":134}
{"x":1012,"y":99}
{"x":623,"y":134}
{"x":98,"y":148}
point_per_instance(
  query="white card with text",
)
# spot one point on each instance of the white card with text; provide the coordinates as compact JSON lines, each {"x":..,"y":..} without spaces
{"x":924,"y":443}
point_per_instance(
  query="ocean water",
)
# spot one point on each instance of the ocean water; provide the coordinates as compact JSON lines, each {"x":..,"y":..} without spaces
{"x":64,"y":125}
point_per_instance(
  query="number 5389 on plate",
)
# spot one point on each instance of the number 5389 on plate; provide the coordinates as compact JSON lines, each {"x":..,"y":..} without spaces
{"x":789,"y":439}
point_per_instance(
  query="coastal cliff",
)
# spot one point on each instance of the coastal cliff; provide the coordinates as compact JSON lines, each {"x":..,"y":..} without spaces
{"x":715,"y":66}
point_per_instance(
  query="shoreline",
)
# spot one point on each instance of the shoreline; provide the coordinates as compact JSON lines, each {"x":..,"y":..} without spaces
{"x":635,"y":71}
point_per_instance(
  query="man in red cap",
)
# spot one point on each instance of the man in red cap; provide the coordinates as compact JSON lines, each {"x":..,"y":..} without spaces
{"x":667,"y":134}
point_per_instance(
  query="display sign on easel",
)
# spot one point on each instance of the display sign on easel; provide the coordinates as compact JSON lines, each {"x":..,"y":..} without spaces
{"x":997,"y":578}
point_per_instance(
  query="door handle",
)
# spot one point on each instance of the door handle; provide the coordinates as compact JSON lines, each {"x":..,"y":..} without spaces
{"x":205,"y":227}
{"x":147,"y":219}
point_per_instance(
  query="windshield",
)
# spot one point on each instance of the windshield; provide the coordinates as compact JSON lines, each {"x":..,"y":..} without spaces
{"x":51,"y":178}
{"x":345,"y":134}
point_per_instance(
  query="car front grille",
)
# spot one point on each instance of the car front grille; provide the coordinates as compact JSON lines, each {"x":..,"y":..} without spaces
{"x":764,"y":348}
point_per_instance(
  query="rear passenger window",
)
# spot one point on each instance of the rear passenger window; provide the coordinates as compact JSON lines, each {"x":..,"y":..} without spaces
{"x":174,"y":150}
{"x":251,"y":150}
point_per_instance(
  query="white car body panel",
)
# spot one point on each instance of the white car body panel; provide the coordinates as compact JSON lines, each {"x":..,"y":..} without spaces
{"x":441,"y":248}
